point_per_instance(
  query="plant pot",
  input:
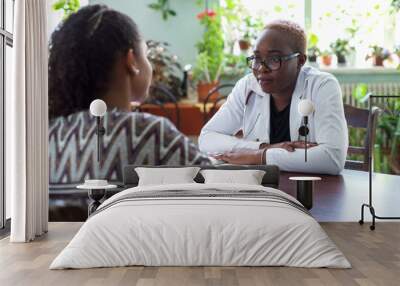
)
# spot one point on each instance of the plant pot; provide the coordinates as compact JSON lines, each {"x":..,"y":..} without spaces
{"x":312,"y":59}
{"x":203,"y":88}
{"x":377,"y":61}
{"x":244,"y":45}
{"x":327,"y":60}
{"x":341,"y":59}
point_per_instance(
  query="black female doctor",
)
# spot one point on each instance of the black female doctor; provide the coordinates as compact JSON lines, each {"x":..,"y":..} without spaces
{"x":263,"y":105}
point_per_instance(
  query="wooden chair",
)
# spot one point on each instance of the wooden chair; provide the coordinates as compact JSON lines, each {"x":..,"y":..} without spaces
{"x":361,"y":118}
{"x":210,"y":99}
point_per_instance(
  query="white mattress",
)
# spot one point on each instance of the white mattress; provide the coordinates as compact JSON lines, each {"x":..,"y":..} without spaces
{"x":200,"y":231}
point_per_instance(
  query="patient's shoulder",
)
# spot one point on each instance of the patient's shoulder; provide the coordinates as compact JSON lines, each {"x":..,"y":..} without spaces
{"x":133,"y":123}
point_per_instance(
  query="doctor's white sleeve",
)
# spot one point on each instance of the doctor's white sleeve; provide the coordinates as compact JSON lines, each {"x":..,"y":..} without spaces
{"x":218,"y":134}
{"x":330,"y":133}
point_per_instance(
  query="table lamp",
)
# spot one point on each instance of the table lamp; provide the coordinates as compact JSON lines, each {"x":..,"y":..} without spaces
{"x":98,"y":108}
{"x":305,"y":108}
{"x":96,"y":187}
{"x":305,"y":185}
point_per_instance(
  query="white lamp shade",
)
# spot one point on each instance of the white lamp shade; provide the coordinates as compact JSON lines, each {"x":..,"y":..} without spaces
{"x":305,"y":107}
{"x":98,"y":107}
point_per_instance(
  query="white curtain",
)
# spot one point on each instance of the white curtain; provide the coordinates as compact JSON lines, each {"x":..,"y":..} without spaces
{"x":27,"y":124}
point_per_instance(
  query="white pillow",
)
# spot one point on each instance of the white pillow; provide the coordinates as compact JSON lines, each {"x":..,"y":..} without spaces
{"x":166,"y":176}
{"x":248,"y":177}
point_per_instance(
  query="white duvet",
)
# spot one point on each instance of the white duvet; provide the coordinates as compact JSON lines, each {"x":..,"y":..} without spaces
{"x":200,"y":231}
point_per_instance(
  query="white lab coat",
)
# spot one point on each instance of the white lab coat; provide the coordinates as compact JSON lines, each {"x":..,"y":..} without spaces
{"x":327,"y":124}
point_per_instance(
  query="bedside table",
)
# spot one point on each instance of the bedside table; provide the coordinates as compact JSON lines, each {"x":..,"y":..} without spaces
{"x":96,"y":194}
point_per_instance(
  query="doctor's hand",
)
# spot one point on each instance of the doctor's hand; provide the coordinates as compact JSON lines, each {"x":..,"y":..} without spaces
{"x":257,"y":157}
{"x":243,"y":157}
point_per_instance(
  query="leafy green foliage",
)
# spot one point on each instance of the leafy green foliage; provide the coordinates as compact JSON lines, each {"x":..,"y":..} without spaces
{"x":68,"y":6}
{"x":387,"y":143}
{"x":252,"y":26}
{"x":360,"y":92}
{"x":163,"y":6}
{"x":210,"y":59}
{"x":341,"y":47}
{"x":166,"y":68}
{"x":377,"y":51}
{"x":224,"y":25}
{"x":312,"y":47}
{"x":395,"y":4}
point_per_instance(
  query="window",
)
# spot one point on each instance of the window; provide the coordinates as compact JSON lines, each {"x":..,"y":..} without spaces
{"x":6,"y":66}
{"x":363,"y":22}
{"x":277,"y":9}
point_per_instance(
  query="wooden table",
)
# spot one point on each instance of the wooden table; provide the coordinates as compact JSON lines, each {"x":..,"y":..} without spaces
{"x":339,"y":198}
{"x":336,"y":198}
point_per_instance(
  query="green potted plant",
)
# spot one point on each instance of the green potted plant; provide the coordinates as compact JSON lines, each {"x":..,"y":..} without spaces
{"x":210,"y":58}
{"x":166,"y":68}
{"x":235,"y":66}
{"x":312,"y":54}
{"x":326,"y":57}
{"x":312,"y":51}
{"x":341,"y":48}
{"x":389,"y":123}
{"x":387,"y":147}
{"x":378,"y":55}
{"x":396,"y":51}
{"x":250,"y":28}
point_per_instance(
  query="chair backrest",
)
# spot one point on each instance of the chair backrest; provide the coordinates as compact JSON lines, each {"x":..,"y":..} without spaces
{"x":361,"y":118}
{"x":161,"y":96}
{"x":215,"y":97}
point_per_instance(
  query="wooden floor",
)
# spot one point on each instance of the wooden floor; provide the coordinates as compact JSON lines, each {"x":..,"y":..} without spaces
{"x":374,"y":255}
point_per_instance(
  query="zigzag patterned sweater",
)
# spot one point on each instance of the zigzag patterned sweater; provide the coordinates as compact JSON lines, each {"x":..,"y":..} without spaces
{"x":131,"y":138}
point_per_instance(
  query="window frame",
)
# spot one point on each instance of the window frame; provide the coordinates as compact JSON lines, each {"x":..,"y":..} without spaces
{"x":6,"y":39}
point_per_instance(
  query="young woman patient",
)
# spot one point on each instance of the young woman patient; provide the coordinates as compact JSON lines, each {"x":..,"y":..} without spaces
{"x":99,"y":53}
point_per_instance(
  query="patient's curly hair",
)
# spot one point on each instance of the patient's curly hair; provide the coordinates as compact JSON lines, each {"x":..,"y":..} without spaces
{"x":83,"y":51}
{"x":295,"y":34}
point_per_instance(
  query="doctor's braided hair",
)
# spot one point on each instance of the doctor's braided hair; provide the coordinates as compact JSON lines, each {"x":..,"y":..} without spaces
{"x":83,"y":51}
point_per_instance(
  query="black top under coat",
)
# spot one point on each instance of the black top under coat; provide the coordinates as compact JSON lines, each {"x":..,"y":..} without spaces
{"x":279,"y":123}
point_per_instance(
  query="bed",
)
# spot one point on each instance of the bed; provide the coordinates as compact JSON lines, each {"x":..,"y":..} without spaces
{"x":198,"y":224}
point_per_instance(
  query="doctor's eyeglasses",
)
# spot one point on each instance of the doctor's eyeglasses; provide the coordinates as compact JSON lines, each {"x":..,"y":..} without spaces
{"x":272,"y":63}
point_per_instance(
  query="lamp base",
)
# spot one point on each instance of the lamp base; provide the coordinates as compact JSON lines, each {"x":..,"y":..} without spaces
{"x":96,"y":195}
{"x":305,"y":189}
{"x":305,"y":193}
{"x":374,"y":216}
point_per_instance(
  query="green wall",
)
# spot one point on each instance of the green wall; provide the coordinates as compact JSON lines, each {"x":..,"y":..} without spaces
{"x":181,"y":32}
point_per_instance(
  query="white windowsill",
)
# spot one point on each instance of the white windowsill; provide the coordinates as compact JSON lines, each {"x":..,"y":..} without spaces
{"x":353,"y":70}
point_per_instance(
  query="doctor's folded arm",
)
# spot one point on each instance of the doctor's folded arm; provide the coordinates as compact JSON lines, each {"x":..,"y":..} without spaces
{"x":263,"y":106}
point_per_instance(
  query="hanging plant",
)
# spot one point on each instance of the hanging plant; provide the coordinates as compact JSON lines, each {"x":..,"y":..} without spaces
{"x":163,"y":7}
